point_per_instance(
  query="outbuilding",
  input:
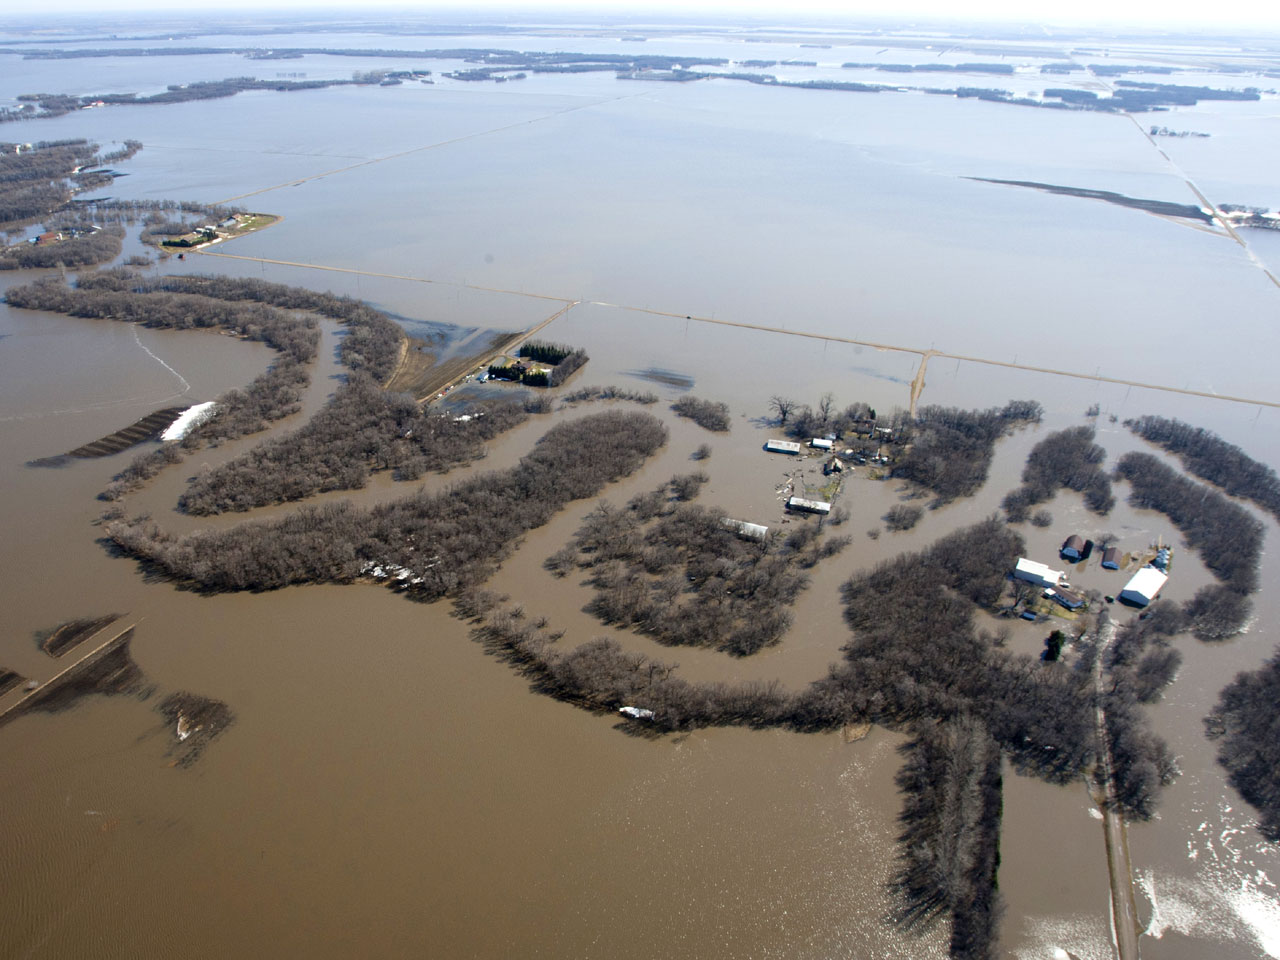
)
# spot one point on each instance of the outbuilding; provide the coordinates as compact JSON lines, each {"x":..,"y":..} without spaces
{"x":1073,"y":549}
{"x":751,"y":531}
{"x":781,"y":446}
{"x":1144,"y":586}
{"x":1038,"y":573}
{"x":821,"y":443}
{"x":1111,"y":558}
{"x":802,"y":505}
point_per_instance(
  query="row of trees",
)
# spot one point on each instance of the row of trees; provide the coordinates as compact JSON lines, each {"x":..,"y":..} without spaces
{"x":433,"y":543}
{"x":362,"y":429}
{"x":949,"y":848}
{"x":372,"y":339}
{"x":951,"y":450}
{"x":108,"y":295}
{"x":1068,"y":458}
{"x":1211,"y":458}
{"x":1247,"y":726}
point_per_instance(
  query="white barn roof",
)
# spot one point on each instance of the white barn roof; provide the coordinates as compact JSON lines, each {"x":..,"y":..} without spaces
{"x":752,"y":531}
{"x":1144,"y":586}
{"x":781,"y":446}
{"x":808,"y":506}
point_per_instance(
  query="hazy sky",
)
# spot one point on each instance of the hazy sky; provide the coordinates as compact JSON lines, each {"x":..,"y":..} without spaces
{"x":1151,"y":13}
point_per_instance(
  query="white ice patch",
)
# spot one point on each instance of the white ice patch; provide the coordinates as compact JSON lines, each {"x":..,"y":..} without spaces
{"x":1229,"y":899}
{"x":189,"y":418}
{"x":1085,"y":937}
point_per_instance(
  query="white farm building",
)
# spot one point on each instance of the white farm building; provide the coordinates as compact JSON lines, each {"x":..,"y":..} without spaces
{"x":1037,"y":573}
{"x":1144,"y":586}
{"x":819,"y":443}
{"x":808,"y":506}
{"x":781,"y":446}
{"x":751,"y":531}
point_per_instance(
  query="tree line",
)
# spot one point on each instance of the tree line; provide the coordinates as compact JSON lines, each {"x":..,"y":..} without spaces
{"x":1227,"y":538}
{"x":362,"y":429}
{"x":949,"y":847}
{"x":372,"y":339}
{"x":435,"y":543}
{"x":1247,"y":727}
{"x":950,"y":451}
{"x":1211,"y":458}
{"x":1070,"y":459}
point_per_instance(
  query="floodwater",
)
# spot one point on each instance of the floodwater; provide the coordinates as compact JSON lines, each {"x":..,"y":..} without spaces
{"x":387,"y":787}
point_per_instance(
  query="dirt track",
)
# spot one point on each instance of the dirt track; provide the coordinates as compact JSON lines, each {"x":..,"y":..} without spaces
{"x":1124,"y":907}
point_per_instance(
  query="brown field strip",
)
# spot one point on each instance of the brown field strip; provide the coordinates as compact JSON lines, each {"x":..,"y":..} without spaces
{"x":74,"y":632}
{"x":147,"y":428}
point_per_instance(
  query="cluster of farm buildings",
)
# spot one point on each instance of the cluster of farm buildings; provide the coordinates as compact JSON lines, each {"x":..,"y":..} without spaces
{"x":1143,"y":587}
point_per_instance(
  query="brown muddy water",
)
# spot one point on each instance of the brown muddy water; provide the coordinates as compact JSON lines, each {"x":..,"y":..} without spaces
{"x":387,"y":788}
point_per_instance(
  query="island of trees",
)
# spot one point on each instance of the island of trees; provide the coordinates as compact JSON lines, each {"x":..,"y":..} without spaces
{"x":1070,"y":459}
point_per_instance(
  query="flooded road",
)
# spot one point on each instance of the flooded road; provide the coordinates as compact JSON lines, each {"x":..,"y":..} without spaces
{"x":387,"y":787}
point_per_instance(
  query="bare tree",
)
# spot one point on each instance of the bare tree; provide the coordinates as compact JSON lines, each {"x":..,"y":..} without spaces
{"x":782,"y":406}
{"x":825,"y":406}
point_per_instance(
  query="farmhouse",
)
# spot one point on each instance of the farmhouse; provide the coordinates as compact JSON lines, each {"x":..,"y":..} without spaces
{"x":1037,"y":573}
{"x":1073,"y":549}
{"x":1144,"y":586}
{"x":1067,"y":598}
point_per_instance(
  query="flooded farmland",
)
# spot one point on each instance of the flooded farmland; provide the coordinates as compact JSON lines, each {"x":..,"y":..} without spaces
{"x":388,"y":786}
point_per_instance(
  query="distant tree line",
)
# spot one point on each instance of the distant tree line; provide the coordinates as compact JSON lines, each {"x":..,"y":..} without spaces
{"x":1068,"y":458}
{"x":951,"y":450}
{"x":1003,"y":69}
{"x":372,"y":339}
{"x":1227,"y":538}
{"x":708,"y":414}
{"x":542,"y":351}
{"x":362,"y":429}
{"x":35,"y":182}
{"x":1246,"y":725}
{"x":440,"y":543}
{"x":48,"y":105}
{"x":1211,"y":458}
